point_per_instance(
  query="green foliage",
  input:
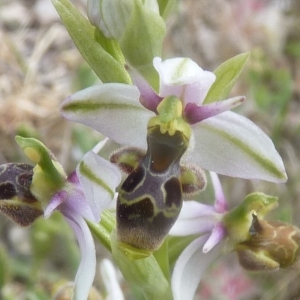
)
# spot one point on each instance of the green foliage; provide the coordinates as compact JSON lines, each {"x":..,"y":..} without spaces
{"x":272,"y":89}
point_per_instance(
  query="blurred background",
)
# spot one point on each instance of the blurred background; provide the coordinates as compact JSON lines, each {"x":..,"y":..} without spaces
{"x":40,"y":66}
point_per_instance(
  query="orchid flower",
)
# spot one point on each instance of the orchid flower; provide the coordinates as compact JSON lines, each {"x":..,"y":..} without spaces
{"x":81,"y":196}
{"x":222,"y":141}
{"x":205,"y":220}
{"x":260,"y":245}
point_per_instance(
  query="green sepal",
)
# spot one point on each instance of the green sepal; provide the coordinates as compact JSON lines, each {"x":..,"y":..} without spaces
{"x":106,"y":67}
{"x":226,"y":76}
{"x":142,"y":40}
{"x":143,"y":274}
{"x":239,"y":220}
{"x":48,"y":175}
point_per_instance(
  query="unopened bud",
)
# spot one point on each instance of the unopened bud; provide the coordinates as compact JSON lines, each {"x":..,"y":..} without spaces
{"x":272,"y":245}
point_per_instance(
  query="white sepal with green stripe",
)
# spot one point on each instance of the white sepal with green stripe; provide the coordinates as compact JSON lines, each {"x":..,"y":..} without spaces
{"x":232,"y":145}
{"x":113,"y":109}
{"x":99,"y":179}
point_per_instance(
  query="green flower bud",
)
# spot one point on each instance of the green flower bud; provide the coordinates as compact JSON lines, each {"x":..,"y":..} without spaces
{"x":272,"y":245}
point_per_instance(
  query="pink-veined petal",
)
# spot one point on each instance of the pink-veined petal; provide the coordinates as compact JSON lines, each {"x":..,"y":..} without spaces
{"x":189,"y":268}
{"x":112,"y":109}
{"x":99,"y":179}
{"x":232,"y":145}
{"x":183,"y":78}
{"x":87,"y":267}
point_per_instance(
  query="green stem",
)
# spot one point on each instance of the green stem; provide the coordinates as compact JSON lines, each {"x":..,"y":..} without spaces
{"x":143,"y":274}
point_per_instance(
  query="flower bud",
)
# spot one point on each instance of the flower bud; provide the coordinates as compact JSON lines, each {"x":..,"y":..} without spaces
{"x":272,"y":245}
{"x":112,"y":16}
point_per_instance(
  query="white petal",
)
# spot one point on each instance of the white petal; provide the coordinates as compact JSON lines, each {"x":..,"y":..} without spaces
{"x":232,"y":145}
{"x":192,"y":226}
{"x":87,"y":267}
{"x":194,"y":218}
{"x":110,"y":280}
{"x":183,"y":78}
{"x":99,"y":179}
{"x":113,"y":109}
{"x":189,"y":268}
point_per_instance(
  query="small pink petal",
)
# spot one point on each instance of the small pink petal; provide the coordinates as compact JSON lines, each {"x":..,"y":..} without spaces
{"x":215,"y":238}
{"x":148,"y":98}
{"x":194,"y":113}
{"x":220,"y":200}
{"x":55,"y":202}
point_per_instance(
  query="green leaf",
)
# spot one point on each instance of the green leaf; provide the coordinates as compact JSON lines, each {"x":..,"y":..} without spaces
{"x":144,"y":274}
{"x":82,"y":34}
{"x":142,"y":41}
{"x":227,"y":74}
